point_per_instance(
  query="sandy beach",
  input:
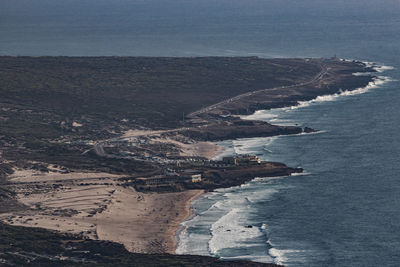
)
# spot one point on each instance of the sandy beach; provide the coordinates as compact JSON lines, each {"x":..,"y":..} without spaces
{"x":145,"y":223}
{"x":96,"y":206}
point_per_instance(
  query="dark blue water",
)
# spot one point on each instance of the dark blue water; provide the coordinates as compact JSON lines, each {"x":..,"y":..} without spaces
{"x":345,"y":211}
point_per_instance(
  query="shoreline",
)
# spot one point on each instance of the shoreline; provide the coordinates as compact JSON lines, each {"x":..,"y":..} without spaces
{"x":376,"y":81}
{"x":191,"y":215}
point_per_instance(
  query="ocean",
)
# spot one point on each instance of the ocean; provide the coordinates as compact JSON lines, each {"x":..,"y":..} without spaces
{"x":344,"y":210}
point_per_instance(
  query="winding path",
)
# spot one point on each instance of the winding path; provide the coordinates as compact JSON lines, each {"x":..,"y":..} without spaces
{"x":319,"y":76}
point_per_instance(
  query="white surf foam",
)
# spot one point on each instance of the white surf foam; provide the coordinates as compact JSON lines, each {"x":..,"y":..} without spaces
{"x":369,"y":64}
{"x":281,"y":255}
{"x":210,"y":207}
{"x":230,"y":231}
{"x":378,"y":81}
{"x":361,"y":73}
{"x":186,"y":246}
{"x":378,"y":67}
{"x":278,"y":255}
{"x":234,"y":229}
{"x":252,"y":145}
{"x":273,"y":114}
{"x":258,"y":113}
{"x":383,"y":68}
{"x":224,"y":224}
{"x":262,"y":259}
{"x":182,"y":239}
{"x":300,"y":173}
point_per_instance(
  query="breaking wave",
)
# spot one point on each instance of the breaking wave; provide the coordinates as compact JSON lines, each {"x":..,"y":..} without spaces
{"x":225,"y":226}
{"x":273,"y":114}
{"x":376,"y":82}
{"x":377,"y":67}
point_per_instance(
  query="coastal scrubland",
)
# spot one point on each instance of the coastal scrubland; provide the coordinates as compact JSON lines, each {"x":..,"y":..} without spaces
{"x":154,"y":92}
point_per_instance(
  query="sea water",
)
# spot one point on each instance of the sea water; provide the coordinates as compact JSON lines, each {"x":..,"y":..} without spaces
{"x":344,"y":210}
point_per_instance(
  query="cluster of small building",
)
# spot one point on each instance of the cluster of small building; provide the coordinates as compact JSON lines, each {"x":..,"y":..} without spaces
{"x":194,"y":176}
{"x":231,"y":161}
{"x":190,"y":176}
{"x":242,"y":160}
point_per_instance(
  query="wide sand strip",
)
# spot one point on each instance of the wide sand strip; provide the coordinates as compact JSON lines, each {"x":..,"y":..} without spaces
{"x":145,"y":223}
{"x":101,"y":209}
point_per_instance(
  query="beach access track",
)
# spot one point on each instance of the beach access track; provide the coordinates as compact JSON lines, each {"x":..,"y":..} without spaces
{"x":324,"y":70}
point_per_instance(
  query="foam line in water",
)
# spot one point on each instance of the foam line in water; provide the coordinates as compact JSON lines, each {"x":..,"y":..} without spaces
{"x":228,"y":233}
{"x":273,"y":114}
{"x":300,"y":173}
{"x":362,"y":73}
{"x":383,"y":68}
{"x":182,"y":239}
{"x":232,"y":228}
{"x":312,"y":133}
{"x":377,"y":67}
{"x":262,"y":259}
{"x":280,"y":255}
{"x":327,"y":98}
{"x":277,"y":255}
